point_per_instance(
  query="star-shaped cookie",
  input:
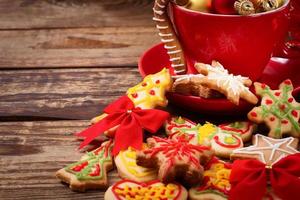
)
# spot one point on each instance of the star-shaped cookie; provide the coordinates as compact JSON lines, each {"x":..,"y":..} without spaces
{"x":267,"y":150}
{"x":233,"y":87}
{"x":278,"y":110}
{"x":176,"y":159}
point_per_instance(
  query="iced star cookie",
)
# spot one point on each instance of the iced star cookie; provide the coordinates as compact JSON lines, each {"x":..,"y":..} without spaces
{"x":278,"y":110}
{"x":233,"y":87}
{"x":216,"y":185}
{"x":128,"y":169}
{"x":267,"y":150}
{"x":131,"y":190}
{"x":91,"y":171}
{"x":176,"y":159}
{"x":221,"y":141}
{"x":148,"y":94}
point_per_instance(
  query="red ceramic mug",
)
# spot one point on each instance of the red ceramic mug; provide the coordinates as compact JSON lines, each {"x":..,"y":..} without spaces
{"x":243,"y":44}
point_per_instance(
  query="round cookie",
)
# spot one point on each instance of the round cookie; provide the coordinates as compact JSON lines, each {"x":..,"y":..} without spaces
{"x":242,"y":128}
{"x":128,"y":169}
{"x":127,"y":189}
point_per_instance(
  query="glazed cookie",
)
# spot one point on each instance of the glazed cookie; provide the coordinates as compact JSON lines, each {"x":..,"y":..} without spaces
{"x":267,"y":150}
{"x":233,"y":87}
{"x":131,"y":190}
{"x":148,"y":94}
{"x":278,"y":110}
{"x":91,"y":171}
{"x":216,"y":185}
{"x":242,"y":128}
{"x":223,"y":142}
{"x":128,"y":169}
{"x":176,"y":159}
{"x":189,"y":84}
{"x":168,"y":35}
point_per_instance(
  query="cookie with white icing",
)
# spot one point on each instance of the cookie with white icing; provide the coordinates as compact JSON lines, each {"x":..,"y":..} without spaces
{"x":267,"y":150}
{"x":168,"y":35}
{"x":126,"y":189}
{"x":232,"y":86}
{"x":128,"y":169}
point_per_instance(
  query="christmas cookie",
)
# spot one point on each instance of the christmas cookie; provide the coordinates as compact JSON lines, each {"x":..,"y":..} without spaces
{"x":216,"y":185}
{"x":278,"y":110}
{"x":126,"y":189}
{"x":223,"y":142}
{"x":149,"y":93}
{"x":91,"y":171}
{"x":267,"y":150}
{"x":168,"y":35}
{"x":233,"y":87}
{"x":189,"y":84}
{"x":175,"y":159}
{"x":242,"y":128}
{"x":128,"y":169}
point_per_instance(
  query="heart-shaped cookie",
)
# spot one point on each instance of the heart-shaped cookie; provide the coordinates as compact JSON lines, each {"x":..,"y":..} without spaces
{"x":126,"y":189}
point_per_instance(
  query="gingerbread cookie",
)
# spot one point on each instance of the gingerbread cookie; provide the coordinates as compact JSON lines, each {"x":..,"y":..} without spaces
{"x":189,"y":84}
{"x":267,"y":150}
{"x":216,"y":185}
{"x":127,"y":190}
{"x":91,"y":171}
{"x":278,"y":110}
{"x":148,"y":94}
{"x":168,"y":35}
{"x":223,"y":142}
{"x":176,"y":159}
{"x":233,"y":87}
{"x":128,"y":169}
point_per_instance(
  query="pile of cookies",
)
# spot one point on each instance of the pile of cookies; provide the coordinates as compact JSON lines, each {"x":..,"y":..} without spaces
{"x":190,"y":160}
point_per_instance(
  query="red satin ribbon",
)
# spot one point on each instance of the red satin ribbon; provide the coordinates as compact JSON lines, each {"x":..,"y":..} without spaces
{"x":249,"y":179}
{"x":131,"y":123}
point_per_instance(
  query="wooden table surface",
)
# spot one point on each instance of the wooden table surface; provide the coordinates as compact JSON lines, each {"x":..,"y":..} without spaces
{"x":61,"y":62}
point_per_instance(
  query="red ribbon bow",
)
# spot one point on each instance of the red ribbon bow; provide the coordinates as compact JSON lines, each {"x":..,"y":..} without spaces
{"x":249,"y":179}
{"x":131,"y":123}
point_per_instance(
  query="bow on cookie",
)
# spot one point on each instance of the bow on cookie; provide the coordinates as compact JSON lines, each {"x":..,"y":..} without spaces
{"x":131,"y":123}
{"x":249,"y":179}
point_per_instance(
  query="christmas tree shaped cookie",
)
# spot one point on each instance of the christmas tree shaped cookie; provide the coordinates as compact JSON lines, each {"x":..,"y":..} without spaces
{"x":91,"y":171}
{"x":149,"y":93}
{"x":278,"y":110}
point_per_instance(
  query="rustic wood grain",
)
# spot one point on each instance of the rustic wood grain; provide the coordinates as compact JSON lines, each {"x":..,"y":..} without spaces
{"x":29,"y":14}
{"x":31,"y":153}
{"x":62,"y":93}
{"x":75,"y":47}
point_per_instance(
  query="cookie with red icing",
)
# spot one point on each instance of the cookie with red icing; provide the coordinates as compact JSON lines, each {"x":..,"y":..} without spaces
{"x":278,"y":110}
{"x":216,"y":185}
{"x":223,"y":139}
{"x":176,"y":159}
{"x":148,"y":94}
{"x":91,"y":171}
{"x":126,"y":189}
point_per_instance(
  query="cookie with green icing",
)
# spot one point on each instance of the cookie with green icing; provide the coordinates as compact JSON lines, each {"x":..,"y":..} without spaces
{"x":91,"y":171}
{"x":278,"y":110}
{"x":222,"y":141}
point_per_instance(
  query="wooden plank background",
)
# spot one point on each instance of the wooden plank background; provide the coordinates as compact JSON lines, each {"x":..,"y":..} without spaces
{"x":61,"y":62}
